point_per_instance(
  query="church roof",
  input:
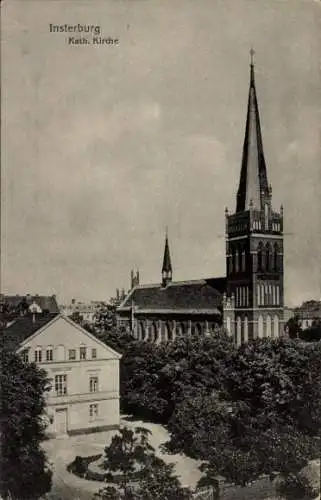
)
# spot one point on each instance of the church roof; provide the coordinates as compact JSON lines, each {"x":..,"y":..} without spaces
{"x":199,"y":296}
{"x":253,"y":187}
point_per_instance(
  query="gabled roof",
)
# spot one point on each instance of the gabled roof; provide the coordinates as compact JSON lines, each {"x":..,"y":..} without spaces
{"x":182,"y":296}
{"x":46,"y":303}
{"x":253,"y":187}
{"x":26,"y":328}
{"x":23,"y":327}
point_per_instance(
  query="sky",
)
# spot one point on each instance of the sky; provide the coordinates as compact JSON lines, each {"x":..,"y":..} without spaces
{"x":103,"y":146}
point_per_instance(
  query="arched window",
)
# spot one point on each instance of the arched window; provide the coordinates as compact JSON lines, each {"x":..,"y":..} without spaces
{"x":268,"y":326}
{"x":275,"y":326}
{"x":163,"y":332}
{"x":146,"y":332}
{"x":170,"y":330}
{"x":228,"y":325}
{"x":275,"y":257}
{"x":262,"y":296}
{"x":153,"y":335}
{"x":246,"y":330}
{"x":243,"y":260}
{"x":238,"y":330}
{"x":260,"y":257}
{"x":197,"y":329}
{"x":237,"y":264}
{"x":140,"y":331}
{"x":268,"y":257}
{"x":266,"y":216}
{"x":260,"y":327}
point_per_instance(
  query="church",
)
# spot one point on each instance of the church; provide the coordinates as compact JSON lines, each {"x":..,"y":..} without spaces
{"x":249,"y":301}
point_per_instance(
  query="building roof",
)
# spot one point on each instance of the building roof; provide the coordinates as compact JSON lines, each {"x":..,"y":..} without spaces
{"x":253,"y":187}
{"x":23,"y":327}
{"x":199,"y":296}
{"x":46,"y":303}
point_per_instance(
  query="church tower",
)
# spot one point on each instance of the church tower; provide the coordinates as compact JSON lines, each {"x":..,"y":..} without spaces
{"x":167,"y":270}
{"x":254,"y":242}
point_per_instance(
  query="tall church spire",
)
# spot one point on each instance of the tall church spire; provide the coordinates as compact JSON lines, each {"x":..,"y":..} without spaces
{"x":253,"y":187}
{"x":167,"y":265}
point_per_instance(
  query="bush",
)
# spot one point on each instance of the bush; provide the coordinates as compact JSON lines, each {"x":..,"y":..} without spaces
{"x":80,"y":466}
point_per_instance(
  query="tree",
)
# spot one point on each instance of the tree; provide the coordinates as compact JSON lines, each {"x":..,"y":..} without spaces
{"x":23,"y":465}
{"x":144,"y":475}
{"x":312,"y":334}
{"x":293,"y":327}
{"x":264,"y":420}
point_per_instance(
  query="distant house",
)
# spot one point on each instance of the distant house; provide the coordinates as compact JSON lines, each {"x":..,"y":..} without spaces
{"x":84,"y":372}
{"x":308,"y":314}
{"x":85,"y":311}
{"x":13,"y":306}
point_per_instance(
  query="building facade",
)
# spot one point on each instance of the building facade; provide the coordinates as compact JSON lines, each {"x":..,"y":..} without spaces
{"x":83,"y":371}
{"x":249,"y":301}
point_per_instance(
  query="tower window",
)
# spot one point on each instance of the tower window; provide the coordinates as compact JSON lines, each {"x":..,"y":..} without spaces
{"x":275,"y":256}
{"x":236,"y":262}
{"x":268,"y":256}
{"x":266,"y":217}
{"x":243,"y":260}
{"x":260,"y":257}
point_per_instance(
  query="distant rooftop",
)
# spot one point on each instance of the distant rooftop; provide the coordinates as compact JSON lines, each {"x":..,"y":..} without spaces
{"x":47,"y":304}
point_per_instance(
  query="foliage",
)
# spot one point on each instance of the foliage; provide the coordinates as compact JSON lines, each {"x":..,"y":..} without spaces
{"x":9,"y":312}
{"x":155,"y":378}
{"x":246,"y":412}
{"x":265,"y":420}
{"x":293,"y":327}
{"x":80,"y":466}
{"x":312,"y":334}
{"x":23,"y":465}
{"x":130,"y":452}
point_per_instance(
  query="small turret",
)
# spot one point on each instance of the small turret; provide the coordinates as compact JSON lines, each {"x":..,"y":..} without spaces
{"x":167,"y":270}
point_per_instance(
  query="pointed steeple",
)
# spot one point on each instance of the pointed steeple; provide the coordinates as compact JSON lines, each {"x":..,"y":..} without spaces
{"x":253,"y":187}
{"x":167,"y":265}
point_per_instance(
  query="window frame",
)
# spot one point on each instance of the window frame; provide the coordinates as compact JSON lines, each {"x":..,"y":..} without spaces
{"x":61,"y":384}
{"x":75,"y":355}
{"x":49,"y":349}
{"x":83,"y":353}
{"x":93,"y":350}
{"x":93,"y":384}
{"x":93,"y":412}
{"x":38,"y":355}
